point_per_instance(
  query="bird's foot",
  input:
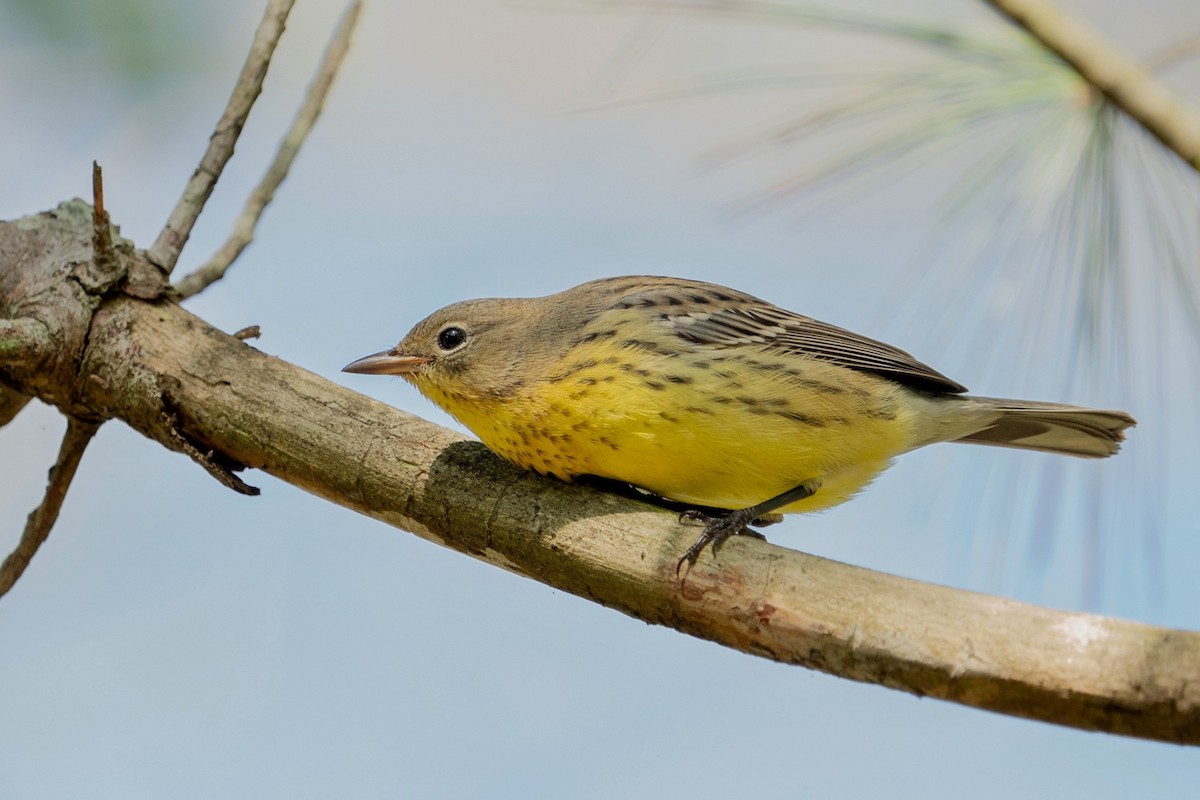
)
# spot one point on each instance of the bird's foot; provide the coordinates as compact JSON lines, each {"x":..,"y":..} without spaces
{"x":718,"y":528}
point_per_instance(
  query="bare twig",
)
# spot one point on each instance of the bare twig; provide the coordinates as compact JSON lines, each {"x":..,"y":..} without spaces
{"x":42,"y":519}
{"x":105,"y":270}
{"x":1171,"y":55}
{"x":243,"y":229}
{"x":248,"y":332}
{"x":208,"y":460}
{"x":102,"y":245}
{"x":1129,"y":85}
{"x":166,"y":248}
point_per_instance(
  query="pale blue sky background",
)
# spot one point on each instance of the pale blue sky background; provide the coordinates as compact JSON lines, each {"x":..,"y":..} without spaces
{"x":173,"y":639}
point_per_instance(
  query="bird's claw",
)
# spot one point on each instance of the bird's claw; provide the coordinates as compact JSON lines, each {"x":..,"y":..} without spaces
{"x":716,"y":530}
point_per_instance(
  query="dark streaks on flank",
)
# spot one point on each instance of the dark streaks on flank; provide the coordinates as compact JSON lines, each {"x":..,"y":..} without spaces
{"x":562,"y":374}
{"x":754,"y":363}
{"x":860,"y":394}
{"x":800,"y":379}
{"x":594,"y":336}
{"x":803,"y":419}
{"x":627,"y":367}
{"x":649,"y":346}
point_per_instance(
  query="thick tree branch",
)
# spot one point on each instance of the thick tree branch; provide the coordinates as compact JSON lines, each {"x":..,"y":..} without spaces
{"x":1129,"y":85}
{"x":243,"y":228}
{"x":171,"y":376}
{"x":42,"y":518}
{"x":1073,"y":669}
{"x":166,"y":248}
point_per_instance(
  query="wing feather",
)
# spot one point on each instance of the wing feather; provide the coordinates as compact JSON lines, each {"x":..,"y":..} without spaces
{"x":712,"y":315}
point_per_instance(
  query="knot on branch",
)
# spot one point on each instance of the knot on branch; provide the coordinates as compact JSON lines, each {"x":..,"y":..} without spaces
{"x":59,"y":268}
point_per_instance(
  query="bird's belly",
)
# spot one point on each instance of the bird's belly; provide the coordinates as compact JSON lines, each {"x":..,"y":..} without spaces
{"x":739,"y":461}
{"x":710,"y":442}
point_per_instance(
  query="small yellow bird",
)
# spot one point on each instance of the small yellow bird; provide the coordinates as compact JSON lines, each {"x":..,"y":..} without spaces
{"x":705,"y":396}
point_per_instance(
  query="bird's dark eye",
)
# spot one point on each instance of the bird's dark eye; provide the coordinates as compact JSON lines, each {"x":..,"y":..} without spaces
{"x":451,"y":337}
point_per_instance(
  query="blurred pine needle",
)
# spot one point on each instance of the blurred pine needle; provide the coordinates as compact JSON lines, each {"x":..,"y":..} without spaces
{"x":1071,"y":245}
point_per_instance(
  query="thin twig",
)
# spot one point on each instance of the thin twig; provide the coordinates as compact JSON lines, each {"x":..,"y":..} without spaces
{"x":1173,"y":54}
{"x":166,"y":248}
{"x":1130,"y":86}
{"x":102,"y":245}
{"x":208,"y":460}
{"x":243,"y":229}
{"x":42,"y":519}
{"x":248,"y":332}
{"x":106,"y":269}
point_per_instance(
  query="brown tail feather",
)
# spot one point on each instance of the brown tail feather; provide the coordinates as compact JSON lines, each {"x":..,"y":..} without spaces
{"x":1053,"y":428}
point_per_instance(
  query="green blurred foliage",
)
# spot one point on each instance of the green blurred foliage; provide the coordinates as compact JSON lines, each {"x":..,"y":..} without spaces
{"x":139,"y":43}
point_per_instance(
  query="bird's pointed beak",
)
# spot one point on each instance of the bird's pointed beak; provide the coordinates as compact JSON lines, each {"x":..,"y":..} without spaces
{"x":387,"y":362}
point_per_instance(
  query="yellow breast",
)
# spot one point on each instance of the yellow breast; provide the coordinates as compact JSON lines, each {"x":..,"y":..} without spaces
{"x":722,"y":427}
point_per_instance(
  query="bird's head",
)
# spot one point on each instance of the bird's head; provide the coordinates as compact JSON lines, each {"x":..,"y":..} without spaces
{"x":471,"y":350}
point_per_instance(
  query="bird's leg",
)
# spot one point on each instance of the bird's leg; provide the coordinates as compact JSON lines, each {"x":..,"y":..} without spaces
{"x":719,"y":528}
{"x":686,"y":510}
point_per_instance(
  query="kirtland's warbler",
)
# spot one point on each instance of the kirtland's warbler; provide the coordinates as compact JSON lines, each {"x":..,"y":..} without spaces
{"x":705,"y":396}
